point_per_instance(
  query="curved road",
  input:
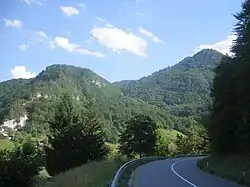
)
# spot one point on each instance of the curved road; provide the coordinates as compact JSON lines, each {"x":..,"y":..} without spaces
{"x":179,"y":172}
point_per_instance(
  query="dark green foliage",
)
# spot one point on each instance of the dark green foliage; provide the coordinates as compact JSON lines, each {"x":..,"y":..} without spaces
{"x":196,"y":141}
{"x":37,"y":98}
{"x":66,"y":149}
{"x":139,"y":136}
{"x":183,"y":89}
{"x":229,"y":127}
{"x":224,"y":115}
{"x":168,"y":96}
{"x":74,"y":139}
{"x":95,"y":137}
{"x":19,"y":167}
{"x":184,"y":145}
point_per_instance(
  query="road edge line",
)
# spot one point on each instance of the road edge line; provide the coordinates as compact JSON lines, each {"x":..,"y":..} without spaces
{"x":178,"y":175}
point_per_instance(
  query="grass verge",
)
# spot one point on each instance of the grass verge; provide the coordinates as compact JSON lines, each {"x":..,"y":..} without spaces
{"x":94,"y":174}
{"x":127,"y":171}
{"x":235,"y":168}
{"x":6,"y":144}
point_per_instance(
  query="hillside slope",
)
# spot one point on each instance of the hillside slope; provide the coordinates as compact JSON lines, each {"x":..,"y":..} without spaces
{"x":36,"y":98}
{"x":182,"y":89}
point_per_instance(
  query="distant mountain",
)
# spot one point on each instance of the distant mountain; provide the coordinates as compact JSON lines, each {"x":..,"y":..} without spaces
{"x":183,"y":89}
{"x":173,"y":96}
{"x":36,"y":98}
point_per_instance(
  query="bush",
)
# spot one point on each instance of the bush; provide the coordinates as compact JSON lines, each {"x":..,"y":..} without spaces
{"x":19,"y":167}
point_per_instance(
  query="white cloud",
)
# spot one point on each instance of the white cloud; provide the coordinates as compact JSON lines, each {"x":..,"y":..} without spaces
{"x":117,"y":40}
{"x":69,"y":10}
{"x":81,"y":5}
{"x":29,"y":2}
{"x":101,"y":19}
{"x":23,"y":47}
{"x":91,"y":53}
{"x":140,"y":14}
{"x":65,"y":44}
{"x":13,"y":23}
{"x":150,"y":35}
{"x":73,"y":47}
{"x":40,"y":36}
{"x":21,"y":72}
{"x":221,"y":46}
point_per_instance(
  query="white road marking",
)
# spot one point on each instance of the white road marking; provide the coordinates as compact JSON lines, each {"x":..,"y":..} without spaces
{"x":178,"y":175}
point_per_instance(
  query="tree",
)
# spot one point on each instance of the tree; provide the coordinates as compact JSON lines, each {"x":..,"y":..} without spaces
{"x":184,"y":144}
{"x":19,"y":167}
{"x":139,"y":136}
{"x":95,"y":135}
{"x":75,"y":138}
{"x":162,"y":143}
{"x":195,"y":141}
{"x":229,"y":128}
{"x":241,"y":49}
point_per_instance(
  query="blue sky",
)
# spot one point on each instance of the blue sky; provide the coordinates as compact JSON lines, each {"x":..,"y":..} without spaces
{"x":118,"y":39}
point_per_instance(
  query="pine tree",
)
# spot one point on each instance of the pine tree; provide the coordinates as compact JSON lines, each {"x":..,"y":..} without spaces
{"x":76,"y":137}
{"x":95,"y":135}
{"x":67,"y":140}
{"x":241,"y":49}
{"x":224,"y":114}
{"x":241,"y":46}
{"x":139,"y":136}
{"x":229,"y":128}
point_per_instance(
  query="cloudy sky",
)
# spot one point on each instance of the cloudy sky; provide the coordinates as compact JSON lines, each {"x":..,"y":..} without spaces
{"x":118,"y":39}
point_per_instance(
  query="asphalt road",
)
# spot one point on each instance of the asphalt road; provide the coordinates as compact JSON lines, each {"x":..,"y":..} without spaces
{"x":179,"y":172}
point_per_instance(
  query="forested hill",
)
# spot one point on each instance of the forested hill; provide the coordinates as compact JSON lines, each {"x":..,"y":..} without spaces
{"x":182,"y":89}
{"x":36,"y":98}
{"x":170,"y":96}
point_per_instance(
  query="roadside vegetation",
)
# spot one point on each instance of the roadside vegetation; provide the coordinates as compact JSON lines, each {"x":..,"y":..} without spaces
{"x":235,"y":168}
{"x":93,"y":174}
{"x":75,"y":153}
{"x":228,"y":126}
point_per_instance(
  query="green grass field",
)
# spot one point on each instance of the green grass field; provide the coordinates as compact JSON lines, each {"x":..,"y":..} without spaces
{"x":171,"y":134}
{"x":6,"y":144}
{"x":228,"y":167}
{"x":94,"y":174}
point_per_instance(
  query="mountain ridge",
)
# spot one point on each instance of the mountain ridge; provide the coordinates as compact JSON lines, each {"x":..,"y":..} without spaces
{"x":170,"y":96}
{"x":185,"y":83}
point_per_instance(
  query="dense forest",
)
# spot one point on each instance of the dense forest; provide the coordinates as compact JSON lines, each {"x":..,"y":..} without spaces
{"x":36,"y":98}
{"x":176,"y":97}
{"x":229,"y":127}
{"x":183,"y":89}
{"x":228,"y":123}
{"x":76,"y":137}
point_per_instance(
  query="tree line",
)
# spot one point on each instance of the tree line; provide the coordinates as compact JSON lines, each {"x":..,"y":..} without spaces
{"x":229,"y":127}
{"x":76,"y":137}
